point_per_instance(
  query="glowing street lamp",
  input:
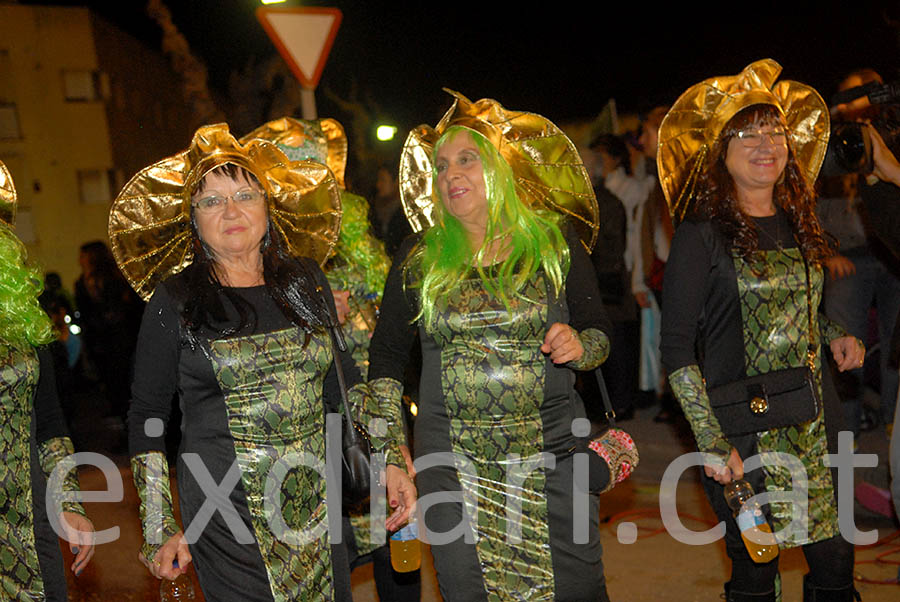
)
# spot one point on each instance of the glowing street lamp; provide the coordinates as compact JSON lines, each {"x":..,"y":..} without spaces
{"x":272,"y":1}
{"x":385,"y":132}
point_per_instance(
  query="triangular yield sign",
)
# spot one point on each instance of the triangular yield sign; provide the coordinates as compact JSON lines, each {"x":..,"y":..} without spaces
{"x":303,"y":37}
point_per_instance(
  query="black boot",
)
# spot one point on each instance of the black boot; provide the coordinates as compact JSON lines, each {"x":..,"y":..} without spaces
{"x":813,"y":593}
{"x":735,"y":596}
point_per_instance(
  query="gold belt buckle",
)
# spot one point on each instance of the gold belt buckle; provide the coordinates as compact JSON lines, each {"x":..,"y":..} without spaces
{"x":758,"y":405}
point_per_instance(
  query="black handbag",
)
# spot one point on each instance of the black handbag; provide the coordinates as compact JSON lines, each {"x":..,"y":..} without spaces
{"x":772,"y":400}
{"x":356,"y":445}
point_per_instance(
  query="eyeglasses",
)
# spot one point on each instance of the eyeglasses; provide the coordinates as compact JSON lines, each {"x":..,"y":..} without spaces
{"x":216,"y":203}
{"x":754,"y":138}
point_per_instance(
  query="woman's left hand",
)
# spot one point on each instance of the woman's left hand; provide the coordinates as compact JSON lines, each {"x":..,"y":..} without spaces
{"x":401,"y":494}
{"x":849,"y":353}
{"x":562,"y":344}
{"x":79,"y":532}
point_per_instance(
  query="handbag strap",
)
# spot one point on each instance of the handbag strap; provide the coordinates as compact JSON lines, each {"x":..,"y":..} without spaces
{"x":338,"y":344}
{"x":810,"y":346}
{"x":604,"y":395}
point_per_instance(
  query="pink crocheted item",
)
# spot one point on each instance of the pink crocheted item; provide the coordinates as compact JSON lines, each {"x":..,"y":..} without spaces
{"x":618,"y":450}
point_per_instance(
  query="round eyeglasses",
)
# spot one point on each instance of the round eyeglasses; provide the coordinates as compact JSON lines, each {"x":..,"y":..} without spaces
{"x":754,"y":138}
{"x":215,"y":203}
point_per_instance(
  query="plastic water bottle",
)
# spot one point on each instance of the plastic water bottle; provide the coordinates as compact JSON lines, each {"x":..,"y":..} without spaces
{"x":406,"y":550}
{"x":751,"y":520}
{"x":179,"y":589}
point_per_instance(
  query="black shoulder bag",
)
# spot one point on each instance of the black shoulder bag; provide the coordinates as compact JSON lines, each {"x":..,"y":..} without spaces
{"x":355,"y":443}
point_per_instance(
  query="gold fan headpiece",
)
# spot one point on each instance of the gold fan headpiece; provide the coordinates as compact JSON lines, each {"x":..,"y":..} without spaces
{"x":548,"y":171}
{"x":317,"y":140}
{"x":150,"y":221}
{"x":694,"y":123}
{"x":7,"y":197}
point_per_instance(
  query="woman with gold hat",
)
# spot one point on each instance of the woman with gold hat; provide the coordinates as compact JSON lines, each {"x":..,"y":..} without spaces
{"x":503,"y":296}
{"x":226,"y":236}
{"x":34,"y":436}
{"x":356,"y":271}
{"x":737,"y":160}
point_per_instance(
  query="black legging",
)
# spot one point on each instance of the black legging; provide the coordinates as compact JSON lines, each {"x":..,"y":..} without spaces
{"x":830,"y":567}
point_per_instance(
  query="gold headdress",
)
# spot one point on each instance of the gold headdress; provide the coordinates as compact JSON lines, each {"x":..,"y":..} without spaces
{"x":320,"y":140}
{"x":694,"y":122}
{"x":150,"y":220}
{"x":546,"y":166}
{"x":7,"y":197}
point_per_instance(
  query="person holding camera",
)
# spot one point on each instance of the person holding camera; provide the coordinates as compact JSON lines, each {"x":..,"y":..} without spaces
{"x":863,"y":272}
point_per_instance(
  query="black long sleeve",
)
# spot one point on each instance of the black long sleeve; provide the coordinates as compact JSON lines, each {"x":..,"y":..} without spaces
{"x":48,"y":414}
{"x":582,"y":292}
{"x":395,"y":331}
{"x":684,"y":295}
{"x":882,"y":202}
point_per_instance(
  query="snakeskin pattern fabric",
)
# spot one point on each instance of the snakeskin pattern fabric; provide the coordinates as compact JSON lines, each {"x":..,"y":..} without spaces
{"x":493,"y":390}
{"x":776,"y":332}
{"x":151,"y":479}
{"x":272,"y":386}
{"x":20,"y":572}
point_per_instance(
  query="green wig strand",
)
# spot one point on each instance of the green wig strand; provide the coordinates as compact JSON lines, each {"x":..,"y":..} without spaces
{"x":358,"y":248}
{"x":22,"y":321}
{"x":444,"y":256}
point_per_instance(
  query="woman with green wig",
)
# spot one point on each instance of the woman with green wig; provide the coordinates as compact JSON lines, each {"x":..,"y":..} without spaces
{"x":502,"y":294}
{"x":33,"y":435}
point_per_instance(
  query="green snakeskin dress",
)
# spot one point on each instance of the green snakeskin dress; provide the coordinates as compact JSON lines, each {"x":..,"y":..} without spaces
{"x":254,"y":400}
{"x":27,"y":542}
{"x":776,"y":330}
{"x":744,"y":318}
{"x":493,"y":402}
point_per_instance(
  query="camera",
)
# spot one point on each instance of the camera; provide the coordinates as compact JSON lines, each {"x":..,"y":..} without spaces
{"x":850,"y":146}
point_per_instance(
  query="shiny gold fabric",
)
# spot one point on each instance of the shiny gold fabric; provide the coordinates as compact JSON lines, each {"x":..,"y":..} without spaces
{"x":548,"y":171}
{"x":7,"y":196}
{"x":320,"y":140}
{"x":694,"y":122}
{"x":150,"y":220}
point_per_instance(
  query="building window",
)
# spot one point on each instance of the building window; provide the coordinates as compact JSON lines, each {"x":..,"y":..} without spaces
{"x":9,"y":122}
{"x":95,"y":186}
{"x":84,"y":86}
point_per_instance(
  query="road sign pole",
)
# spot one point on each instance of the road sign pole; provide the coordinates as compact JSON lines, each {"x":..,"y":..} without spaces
{"x":308,"y":103}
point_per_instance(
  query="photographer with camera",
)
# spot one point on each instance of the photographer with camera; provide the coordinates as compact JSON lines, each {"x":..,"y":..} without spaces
{"x":862,"y":273}
{"x":866,"y":113}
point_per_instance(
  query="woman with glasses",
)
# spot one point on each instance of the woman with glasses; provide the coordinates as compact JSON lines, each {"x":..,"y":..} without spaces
{"x":737,"y":159}
{"x":238,"y":326}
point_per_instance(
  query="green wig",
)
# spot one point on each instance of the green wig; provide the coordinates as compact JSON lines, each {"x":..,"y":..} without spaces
{"x":444,"y":256}
{"x":22,"y":321}
{"x":358,"y":249}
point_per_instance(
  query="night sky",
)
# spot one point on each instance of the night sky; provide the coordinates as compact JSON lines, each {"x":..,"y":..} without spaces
{"x":558,"y":61}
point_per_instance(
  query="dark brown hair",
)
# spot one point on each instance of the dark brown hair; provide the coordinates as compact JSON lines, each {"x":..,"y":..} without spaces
{"x":716,"y":196}
{"x":291,"y":283}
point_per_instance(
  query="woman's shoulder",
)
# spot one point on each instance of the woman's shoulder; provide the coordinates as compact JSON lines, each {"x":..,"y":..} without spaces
{"x":176,"y":287}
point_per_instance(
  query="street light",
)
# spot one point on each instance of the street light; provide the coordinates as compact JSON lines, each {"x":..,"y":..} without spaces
{"x":385,"y":132}
{"x":272,"y":1}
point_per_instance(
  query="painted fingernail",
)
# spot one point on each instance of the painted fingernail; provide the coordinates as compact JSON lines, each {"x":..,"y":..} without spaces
{"x":78,"y":572}
{"x":74,"y":550}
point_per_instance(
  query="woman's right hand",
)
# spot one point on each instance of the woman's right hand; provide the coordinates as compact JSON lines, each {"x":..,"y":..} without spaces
{"x":162,"y":566}
{"x":731,"y":471}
